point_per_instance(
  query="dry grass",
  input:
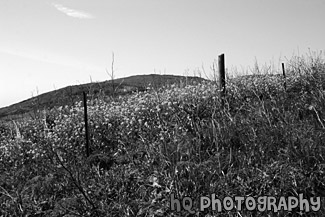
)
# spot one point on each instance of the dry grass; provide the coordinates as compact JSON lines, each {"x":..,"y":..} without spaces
{"x":176,"y":141}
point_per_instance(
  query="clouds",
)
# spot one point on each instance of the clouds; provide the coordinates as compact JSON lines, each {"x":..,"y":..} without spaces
{"x":72,"y":12}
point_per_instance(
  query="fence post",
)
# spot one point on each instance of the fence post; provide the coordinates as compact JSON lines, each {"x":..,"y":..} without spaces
{"x":284,"y":77}
{"x":222,"y":77}
{"x":86,"y":124}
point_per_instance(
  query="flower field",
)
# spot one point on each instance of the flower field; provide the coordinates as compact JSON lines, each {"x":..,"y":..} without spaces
{"x":178,"y":140}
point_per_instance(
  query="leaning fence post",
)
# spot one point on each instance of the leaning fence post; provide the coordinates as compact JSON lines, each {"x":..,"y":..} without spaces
{"x":86,"y":123}
{"x":222,"y":77}
{"x":284,"y":77}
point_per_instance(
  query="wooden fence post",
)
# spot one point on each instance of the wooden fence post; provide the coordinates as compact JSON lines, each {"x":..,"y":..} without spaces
{"x":86,"y":124}
{"x":284,"y":77}
{"x":222,"y":77}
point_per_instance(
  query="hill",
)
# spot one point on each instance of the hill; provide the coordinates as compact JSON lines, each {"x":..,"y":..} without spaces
{"x":70,"y":94}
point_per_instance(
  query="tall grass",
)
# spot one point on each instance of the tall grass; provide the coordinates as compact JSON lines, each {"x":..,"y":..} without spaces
{"x":178,"y":141}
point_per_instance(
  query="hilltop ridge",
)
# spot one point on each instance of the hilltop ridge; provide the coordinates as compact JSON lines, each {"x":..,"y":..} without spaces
{"x":70,"y":94}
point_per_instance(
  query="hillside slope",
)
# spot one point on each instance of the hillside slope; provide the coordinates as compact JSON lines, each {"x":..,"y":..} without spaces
{"x":70,"y":94}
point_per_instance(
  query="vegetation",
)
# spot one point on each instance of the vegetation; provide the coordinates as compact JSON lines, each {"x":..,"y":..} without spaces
{"x":173,"y":142}
{"x":72,"y":94}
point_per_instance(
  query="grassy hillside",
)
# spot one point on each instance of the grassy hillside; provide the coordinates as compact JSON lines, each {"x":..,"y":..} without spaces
{"x":153,"y":148}
{"x":71,"y":94}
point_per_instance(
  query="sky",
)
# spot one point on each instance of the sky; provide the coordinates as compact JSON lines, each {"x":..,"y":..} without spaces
{"x":49,"y":44}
